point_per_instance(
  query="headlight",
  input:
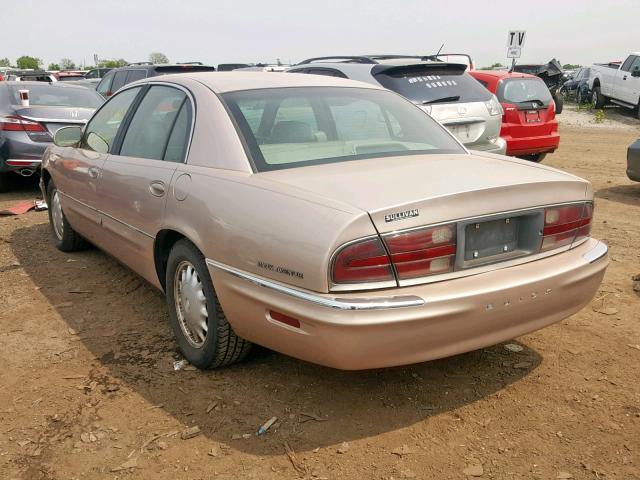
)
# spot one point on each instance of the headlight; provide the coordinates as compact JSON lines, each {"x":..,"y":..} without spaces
{"x":493,"y":106}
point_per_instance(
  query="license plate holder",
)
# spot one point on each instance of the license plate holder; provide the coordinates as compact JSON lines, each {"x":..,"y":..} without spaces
{"x":532,"y":116}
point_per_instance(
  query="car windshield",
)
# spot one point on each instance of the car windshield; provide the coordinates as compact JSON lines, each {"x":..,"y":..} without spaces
{"x":524,"y":90}
{"x":294,"y":127}
{"x":433,"y":84}
{"x":50,"y":96}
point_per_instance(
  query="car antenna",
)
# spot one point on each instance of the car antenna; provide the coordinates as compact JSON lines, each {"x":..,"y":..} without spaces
{"x":441,"y":47}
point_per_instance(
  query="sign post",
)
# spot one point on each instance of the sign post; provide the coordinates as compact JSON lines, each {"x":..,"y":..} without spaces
{"x":515,"y":42}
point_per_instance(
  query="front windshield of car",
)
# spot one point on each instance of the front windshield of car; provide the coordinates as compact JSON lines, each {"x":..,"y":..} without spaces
{"x":298,"y":126}
{"x":524,"y":90}
{"x":50,"y":96}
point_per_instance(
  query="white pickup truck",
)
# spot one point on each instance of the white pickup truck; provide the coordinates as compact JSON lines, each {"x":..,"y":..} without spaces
{"x":619,"y":84}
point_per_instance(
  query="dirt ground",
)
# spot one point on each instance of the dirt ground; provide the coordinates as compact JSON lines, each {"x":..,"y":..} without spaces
{"x":88,"y":389}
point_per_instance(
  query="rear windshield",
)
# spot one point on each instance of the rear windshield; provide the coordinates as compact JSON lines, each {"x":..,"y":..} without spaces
{"x":294,"y":127}
{"x":50,"y":96}
{"x":433,"y":84}
{"x":523,"y":90}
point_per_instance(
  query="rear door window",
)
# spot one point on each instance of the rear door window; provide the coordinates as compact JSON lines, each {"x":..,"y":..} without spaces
{"x":119,"y":80}
{"x":431,"y":84}
{"x":104,"y":87}
{"x":102,"y":129}
{"x":148,"y":133}
{"x":134,"y":75}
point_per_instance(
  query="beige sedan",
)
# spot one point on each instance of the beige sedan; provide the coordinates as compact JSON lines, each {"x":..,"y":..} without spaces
{"x":327,"y":219}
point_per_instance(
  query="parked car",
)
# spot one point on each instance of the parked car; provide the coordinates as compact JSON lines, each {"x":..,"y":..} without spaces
{"x":327,"y":219}
{"x":26,"y":130}
{"x":96,"y":74}
{"x":633,"y":161}
{"x":619,"y":84}
{"x":577,"y":86}
{"x":551,"y":74}
{"x":30,"y":76}
{"x":118,"y":77}
{"x":529,"y":124}
{"x":443,"y":90}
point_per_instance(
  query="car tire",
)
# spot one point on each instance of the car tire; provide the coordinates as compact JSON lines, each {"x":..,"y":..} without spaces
{"x":4,"y":182}
{"x":534,"y":157}
{"x":559,"y":103}
{"x":202,"y":331}
{"x":65,"y":237}
{"x":597,"y":99}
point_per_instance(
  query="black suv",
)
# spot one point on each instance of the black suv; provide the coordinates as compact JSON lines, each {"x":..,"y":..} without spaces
{"x":118,"y":77}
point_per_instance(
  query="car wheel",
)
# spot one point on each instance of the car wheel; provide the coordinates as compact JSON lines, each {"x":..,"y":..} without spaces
{"x":4,"y":182}
{"x":597,"y":99}
{"x":534,"y":157}
{"x":64,"y":236}
{"x":559,"y":103}
{"x":202,"y":330}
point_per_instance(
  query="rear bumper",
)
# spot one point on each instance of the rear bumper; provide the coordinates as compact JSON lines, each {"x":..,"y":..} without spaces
{"x":530,"y":145}
{"x":498,"y":147}
{"x":18,"y":152}
{"x":428,"y":322}
{"x":633,"y":161}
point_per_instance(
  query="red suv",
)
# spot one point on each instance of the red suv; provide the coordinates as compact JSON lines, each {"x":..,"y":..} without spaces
{"x":529,"y":122}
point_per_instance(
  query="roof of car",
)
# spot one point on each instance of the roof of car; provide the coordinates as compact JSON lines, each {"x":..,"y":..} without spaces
{"x":221,"y":82}
{"x":27,"y":84}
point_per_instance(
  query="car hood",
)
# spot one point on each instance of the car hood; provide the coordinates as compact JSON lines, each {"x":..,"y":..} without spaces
{"x":433,"y":188}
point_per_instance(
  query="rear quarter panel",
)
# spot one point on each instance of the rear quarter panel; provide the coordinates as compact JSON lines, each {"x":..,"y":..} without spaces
{"x":238,"y":220}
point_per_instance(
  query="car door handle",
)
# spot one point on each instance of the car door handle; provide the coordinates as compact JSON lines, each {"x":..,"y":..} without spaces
{"x":94,"y":172}
{"x":624,"y":78}
{"x":157,"y":188}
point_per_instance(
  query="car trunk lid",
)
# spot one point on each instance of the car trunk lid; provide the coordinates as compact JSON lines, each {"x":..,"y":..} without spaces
{"x":411,"y":191}
{"x":54,"y":118}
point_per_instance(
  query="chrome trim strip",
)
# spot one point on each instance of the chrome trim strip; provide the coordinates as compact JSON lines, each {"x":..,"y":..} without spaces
{"x":55,"y":120}
{"x":338,"y":303}
{"x":596,"y":253}
{"x":23,"y":161}
{"x":135,"y":229}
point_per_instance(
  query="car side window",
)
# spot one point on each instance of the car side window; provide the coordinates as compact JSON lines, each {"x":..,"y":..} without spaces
{"x":179,"y":138}
{"x":635,"y":65}
{"x":151,"y":125}
{"x":327,"y":72}
{"x":104,"y":87}
{"x":136,"y":75}
{"x":119,"y":80}
{"x":626,"y":66}
{"x":101,"y":130}
{"x":92,"y":74}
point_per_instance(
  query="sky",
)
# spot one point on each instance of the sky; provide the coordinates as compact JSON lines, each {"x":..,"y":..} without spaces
{"x":219,"y":31}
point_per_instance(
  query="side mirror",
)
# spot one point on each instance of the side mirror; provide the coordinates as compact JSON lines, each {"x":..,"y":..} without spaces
{"x":67,"y":136}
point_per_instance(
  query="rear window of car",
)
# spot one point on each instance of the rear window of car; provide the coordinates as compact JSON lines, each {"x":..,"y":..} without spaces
{"x":294,"y":127}
{"x":523,"y":90}
{"x":433,"y":84}
{"x":47,"y":95}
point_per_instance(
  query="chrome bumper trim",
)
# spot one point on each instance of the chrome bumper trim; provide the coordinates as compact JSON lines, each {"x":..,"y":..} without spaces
{"x":596,"y":253}
{"x":339,"y":303}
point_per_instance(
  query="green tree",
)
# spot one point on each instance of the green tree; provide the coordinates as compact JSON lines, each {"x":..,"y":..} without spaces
{"x":67,"y":64}
{"x":570,"y":66}
{"x":492,"y":66}
{"x":121,"y":62}
{"x":26,"y":61}
{"x":4,"y":62}
{"x":53,"y":66}
{"x":157,"y":57}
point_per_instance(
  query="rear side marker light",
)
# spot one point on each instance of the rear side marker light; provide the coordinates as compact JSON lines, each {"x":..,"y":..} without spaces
{"x":423,"y":252}
{"x":566,"y":225}
{"x":282,"y":318}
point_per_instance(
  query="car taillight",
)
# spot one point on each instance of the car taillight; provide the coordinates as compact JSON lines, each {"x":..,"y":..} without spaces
{"x":15,"y":123}
{"x":423,"y":252}
{"x":362,"y":261}
{"x":565,"y":225}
